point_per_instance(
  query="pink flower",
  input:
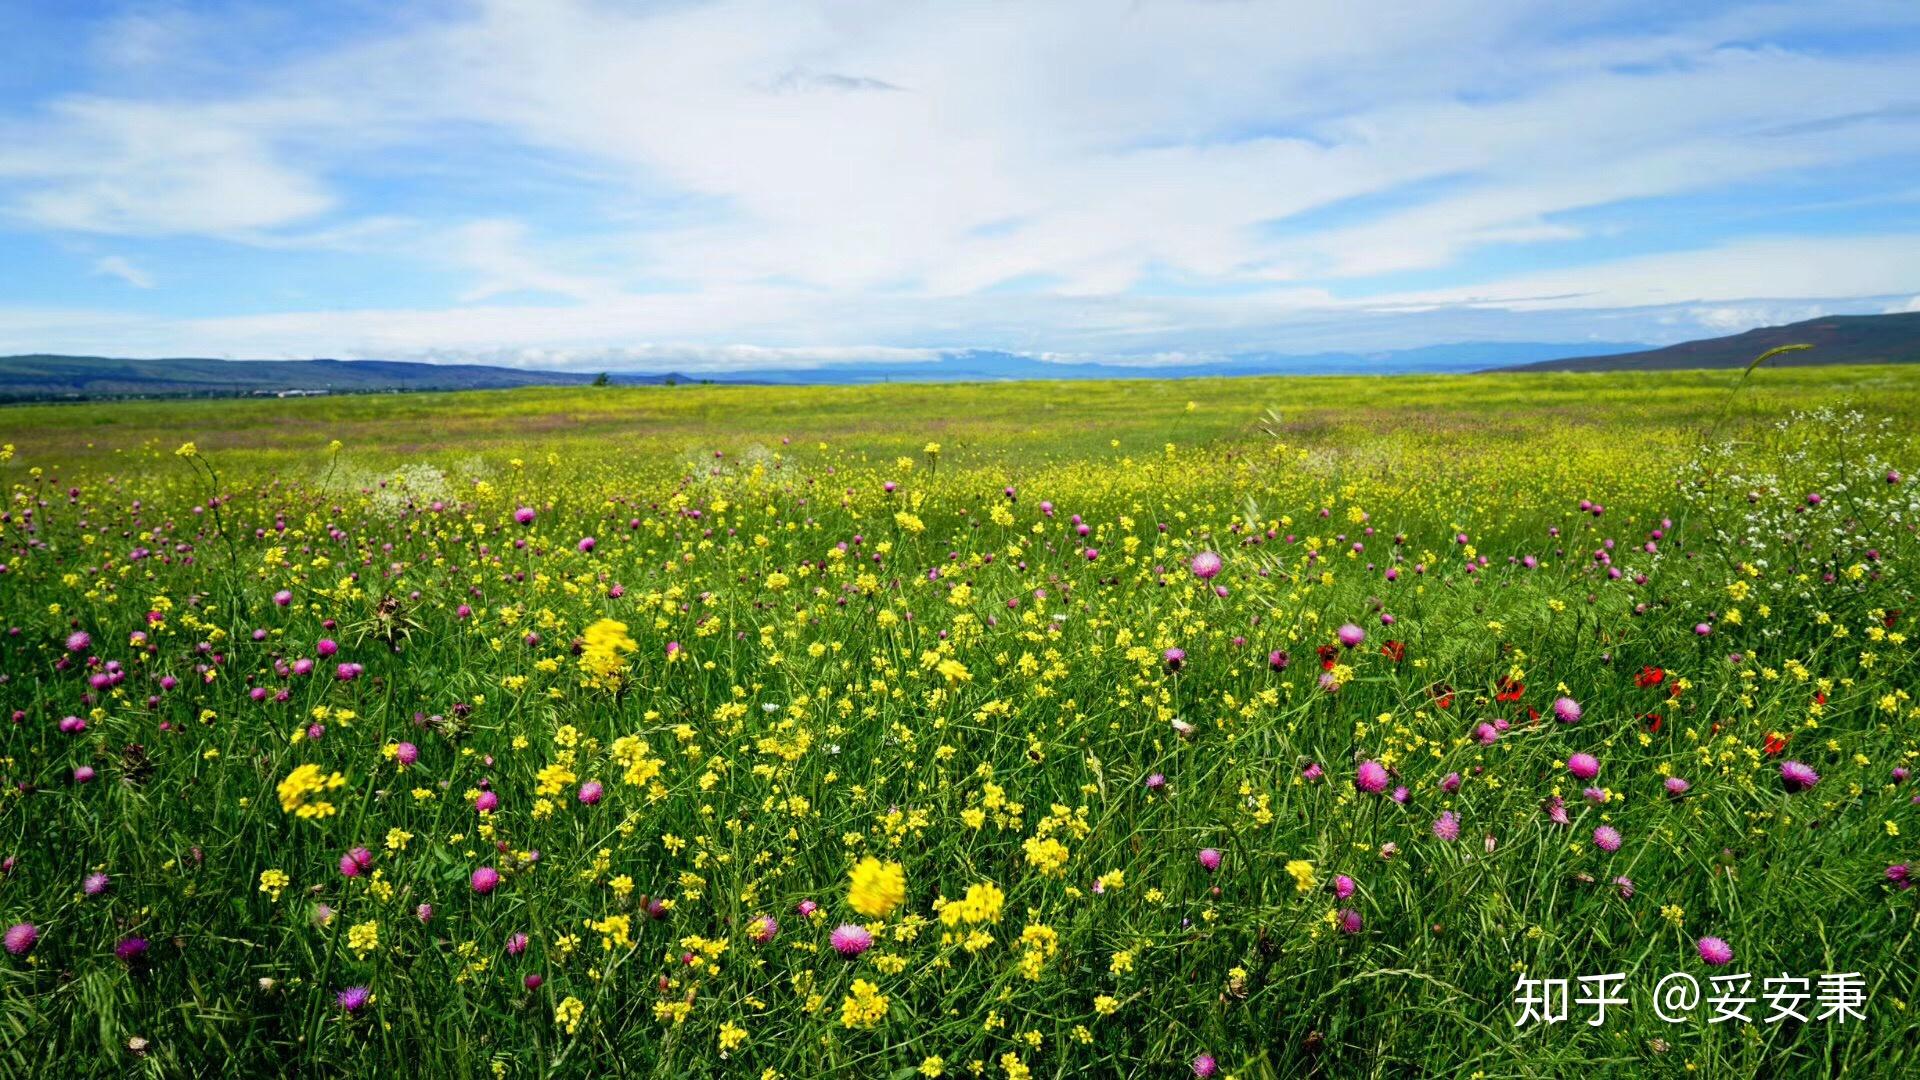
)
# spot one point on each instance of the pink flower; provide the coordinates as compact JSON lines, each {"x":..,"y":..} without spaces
{"x":487,"y":803}
{"x":1206,"y":565}
{"x":1447,"y":826}
{"x":1210,"y":858}
{"x":524,"y":515}
{"x":851,"y":940}
{"x":485,"y":880}
{"x":1606,"y":838}
{"x":1204,"y":1066}
{"x":1370,"y":777}
{"x":1584,"y":766}
{"x":1715,"y":951}
{"x":590,"y":792}
{"x":1797,"y":776}
{"x":1566,"y":710}
{"x":406,"y":753}
{"x":1351,"y":636}
{"x":20,"y":938}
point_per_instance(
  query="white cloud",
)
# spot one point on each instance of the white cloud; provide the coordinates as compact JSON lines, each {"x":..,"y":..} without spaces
{"x":865,"y":172}
{"x":119,"y":266}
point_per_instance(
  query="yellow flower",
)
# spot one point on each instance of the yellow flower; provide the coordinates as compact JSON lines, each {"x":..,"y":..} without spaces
{"x":875,"y":888}
{"x":865,"y":1007}
{"x":364,"y":937}
{"x":187,"y":449}
{"x":568,"y":1013}
{"x":272,"y":881}
{"x":1302,"y":872}
{"x":297,"y":792}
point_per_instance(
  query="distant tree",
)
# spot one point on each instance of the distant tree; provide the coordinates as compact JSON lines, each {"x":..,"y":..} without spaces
{"x":601,"y":379}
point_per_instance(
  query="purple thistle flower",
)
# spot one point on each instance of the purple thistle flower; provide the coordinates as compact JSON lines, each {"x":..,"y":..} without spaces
{"x":516,"y":944}
{"x":1350,"y":922}
{"x":1175,"y":658}
{"x":353,"y":998}
{"x":1370,"y":777}
{"x":1204,"y":1066}
{"x":851,"y":940}
{"x":1584,"y":766}
{"x":1898,"y":875}
{"x":132,"y":950}
{"x":1343,"y":886}
{"x":1210,"y":858}
{"x":590,"y":792}
{"x":20,"y":938}
{"x":95,"y":884}
{"x":763,"y":929}
{"x":1677,"y":787}
{"x":524,"y":515}
{"x":1447,"y":826}
{"x":1566,"y":710}
{"x":1797,"y":776}
{"x":1206,"y":565}
{"x":1606,"y":838}
{"x":1715,"y":951}
{"x":1351,"y":636}
{"x":1156,"y":781}
{"x":485,"y":880}
{"x":79,"y":642}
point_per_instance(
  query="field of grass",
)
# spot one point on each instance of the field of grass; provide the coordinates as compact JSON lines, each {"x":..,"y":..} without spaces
{"x":1251,"y":728}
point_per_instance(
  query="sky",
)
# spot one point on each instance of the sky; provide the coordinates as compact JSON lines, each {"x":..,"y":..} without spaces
{"x":706,"y":186}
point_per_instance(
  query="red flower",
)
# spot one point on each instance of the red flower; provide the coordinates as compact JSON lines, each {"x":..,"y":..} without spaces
{"x":1820,"y":697}
{"x":1653,"y":722}
{"x":1776,"y":742}
{"x":1509,"y":689}
{"x":1395,"y":651}
{"x":1328,"y":655}
{"x":1649,"y":676}
{"x":1892,"y":616}
{"x":1442,"y":695}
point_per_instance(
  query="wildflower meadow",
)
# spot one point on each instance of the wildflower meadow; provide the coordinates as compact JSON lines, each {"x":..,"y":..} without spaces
{"x":1237,"y":728}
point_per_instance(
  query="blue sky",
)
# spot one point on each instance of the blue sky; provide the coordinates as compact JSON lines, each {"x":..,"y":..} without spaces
{"x":711,"y":185}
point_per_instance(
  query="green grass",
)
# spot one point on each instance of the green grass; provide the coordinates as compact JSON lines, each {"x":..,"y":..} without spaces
{"x":982,"y":687}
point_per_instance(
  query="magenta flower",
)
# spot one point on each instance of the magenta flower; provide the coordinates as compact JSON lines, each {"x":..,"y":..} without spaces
{"x":1350,"y":922}
{"x":1343,"y":886}
{"x":327,"y":647}
{"x":353,"y":998}
{"x":1797,"y":776}
{"x":1210,"y":858}
{"x":524,"y":515}
{"x":516,"y":944}
{"x":487,"y":802}
{"x":79,"y":642}
{"x":1606,"y":838}
{"x":131,"y":950}
{"x":406,"y":754}
{"x":1566,"y":710}
{"x":1447,"y":826}
{"x":1584,"y":766}
{"x":20,"y":938}
{"x":851,"y":940}
{"x":485,"y":880}
{"x":590,"y":792}
{"x":1206,"y":565}
{"x":763,"y":929}
{"x":1204,"y":1066}
{"x":1676,"y":786}
{"x":1715,"y":951}
{"x":587,"y":544}
{"x":1351,"y":636}
{"x":1370,"y":777}
{"x":95,"y":884}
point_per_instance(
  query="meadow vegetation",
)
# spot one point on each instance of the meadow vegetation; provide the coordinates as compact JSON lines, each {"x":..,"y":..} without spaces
{"x":1261,"y":727}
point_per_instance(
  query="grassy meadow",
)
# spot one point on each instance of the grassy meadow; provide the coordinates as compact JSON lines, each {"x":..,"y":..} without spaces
{"x":1249,"y":728}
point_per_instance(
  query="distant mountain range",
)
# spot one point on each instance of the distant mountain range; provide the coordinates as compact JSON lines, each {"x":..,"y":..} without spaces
{"x":46,"y":377}
{"x":1836,"y":339}
{"x":1840,"y":339}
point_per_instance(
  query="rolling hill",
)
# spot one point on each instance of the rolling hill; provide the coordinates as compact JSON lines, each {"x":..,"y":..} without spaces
{"x":1836,"y":339}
